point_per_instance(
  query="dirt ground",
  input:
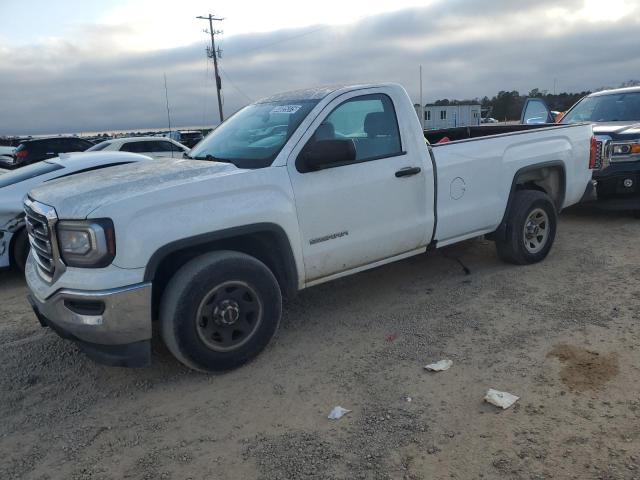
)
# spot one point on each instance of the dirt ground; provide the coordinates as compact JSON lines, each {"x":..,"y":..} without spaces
{"x":564,"y":335}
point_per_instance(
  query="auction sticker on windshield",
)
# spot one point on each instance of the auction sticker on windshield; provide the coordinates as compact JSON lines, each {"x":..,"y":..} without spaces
{"x":286,"y":109}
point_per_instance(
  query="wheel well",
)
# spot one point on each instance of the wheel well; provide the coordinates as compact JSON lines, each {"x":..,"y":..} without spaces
{"x":547,"y":179}
{"x":266,"y":246}
{"x":12,"y":245}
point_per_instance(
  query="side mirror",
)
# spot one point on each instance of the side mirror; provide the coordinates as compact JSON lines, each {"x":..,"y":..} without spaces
{"x":325,"y":154}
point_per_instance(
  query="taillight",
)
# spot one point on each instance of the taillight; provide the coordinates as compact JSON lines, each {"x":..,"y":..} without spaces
{"x":593,"y":154}
{"x":21,"y":154}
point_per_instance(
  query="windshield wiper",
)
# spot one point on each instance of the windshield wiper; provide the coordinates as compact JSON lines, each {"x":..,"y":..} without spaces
{"x":211,"y":158}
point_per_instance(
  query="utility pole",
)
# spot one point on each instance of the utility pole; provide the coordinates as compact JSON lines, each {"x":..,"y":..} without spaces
{"x":214,"y":54}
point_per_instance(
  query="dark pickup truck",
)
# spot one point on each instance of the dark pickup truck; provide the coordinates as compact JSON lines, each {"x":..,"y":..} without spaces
{"x":615,"y":115}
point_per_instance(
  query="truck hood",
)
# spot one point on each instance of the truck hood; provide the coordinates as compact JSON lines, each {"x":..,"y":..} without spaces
{"x":77,"y":196}
{"x":617,"y":129}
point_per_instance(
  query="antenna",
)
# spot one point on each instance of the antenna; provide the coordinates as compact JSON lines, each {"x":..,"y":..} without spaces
{"x":166,"y":97}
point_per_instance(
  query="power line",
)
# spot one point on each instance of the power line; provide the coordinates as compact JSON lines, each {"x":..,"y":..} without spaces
{"x":282,"y":40}
{"x":226,"y":75}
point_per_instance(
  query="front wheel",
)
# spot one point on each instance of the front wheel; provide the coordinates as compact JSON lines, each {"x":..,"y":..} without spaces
{"x":220,"y":310}
{"x":530,"y":228}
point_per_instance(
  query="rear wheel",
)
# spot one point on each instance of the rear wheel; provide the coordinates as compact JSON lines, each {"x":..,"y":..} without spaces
{"x":220,"y":310}
{"x":530,"y":228}
{"x":20,"y":250}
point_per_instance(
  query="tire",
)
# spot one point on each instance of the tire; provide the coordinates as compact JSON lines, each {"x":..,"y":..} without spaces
{"x":530,"y":228}
{"x":220,"y":310}
{"x":20,"y":250}
{"x":636,"y":214}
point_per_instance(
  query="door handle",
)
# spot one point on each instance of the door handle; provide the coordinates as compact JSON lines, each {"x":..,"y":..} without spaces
{"x":407,"y":172}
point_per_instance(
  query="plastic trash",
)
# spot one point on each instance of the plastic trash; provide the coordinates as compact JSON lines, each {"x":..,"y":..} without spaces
{"x":337,"y":413}
{"x":440,"y":366}
{"x":500,"y":399}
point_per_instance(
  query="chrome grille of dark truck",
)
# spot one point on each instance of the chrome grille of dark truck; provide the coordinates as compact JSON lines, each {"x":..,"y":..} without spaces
{"x":603,"y":152}
{"x":598,"y":155}
{"x":40,"y":220}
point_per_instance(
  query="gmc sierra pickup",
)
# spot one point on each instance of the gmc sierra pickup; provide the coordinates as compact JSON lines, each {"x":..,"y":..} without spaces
{"x":292,"y":191}
{"x":615,"y":115}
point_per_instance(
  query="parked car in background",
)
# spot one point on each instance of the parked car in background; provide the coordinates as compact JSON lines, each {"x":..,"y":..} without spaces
{"x":6,"y":153}
{"x":38,"y":149}
{"x":188,"y":138}
{"x":155,"y":147}
{"x":488,"y":120}
{"x":615,"y":115}
{"x":299,"y":189}
{"x":15,"y":184}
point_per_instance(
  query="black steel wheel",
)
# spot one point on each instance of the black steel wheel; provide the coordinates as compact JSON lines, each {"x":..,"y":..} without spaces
{"x":228,"y":316}
{"x":220,"y":310}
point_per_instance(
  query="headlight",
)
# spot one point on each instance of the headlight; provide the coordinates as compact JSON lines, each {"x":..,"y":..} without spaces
{"x":89,"y":244}
{"x":627,"y":151}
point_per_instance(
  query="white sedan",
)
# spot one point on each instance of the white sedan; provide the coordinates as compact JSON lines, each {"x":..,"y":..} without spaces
{"x":15,"y":184}
{"x":155,"y":147}
{"x":7,"y":152}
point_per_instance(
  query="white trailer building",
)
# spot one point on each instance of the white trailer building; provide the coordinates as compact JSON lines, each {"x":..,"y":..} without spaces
{"x":448,"y":116}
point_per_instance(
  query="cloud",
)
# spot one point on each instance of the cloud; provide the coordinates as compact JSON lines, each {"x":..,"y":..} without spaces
{"x":467,"y":49}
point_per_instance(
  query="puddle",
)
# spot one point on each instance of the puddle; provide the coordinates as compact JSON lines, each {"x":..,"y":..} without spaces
{"x":584,"y":369}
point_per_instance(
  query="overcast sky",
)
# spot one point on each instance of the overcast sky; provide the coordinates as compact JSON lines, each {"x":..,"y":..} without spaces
{"x":78,"y":66}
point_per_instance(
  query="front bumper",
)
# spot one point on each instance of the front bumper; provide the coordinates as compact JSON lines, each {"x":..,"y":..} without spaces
{"x":620,"y":191}
{"x":112,"y":326}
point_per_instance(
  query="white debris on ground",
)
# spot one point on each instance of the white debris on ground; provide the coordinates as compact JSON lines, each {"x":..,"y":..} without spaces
{"x":440,"y":366}
{"x":337,"y":413}
{"x":500,"y":399}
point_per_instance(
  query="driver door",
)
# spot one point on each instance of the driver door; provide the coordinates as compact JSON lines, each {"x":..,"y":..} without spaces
{"x":367,"y":210}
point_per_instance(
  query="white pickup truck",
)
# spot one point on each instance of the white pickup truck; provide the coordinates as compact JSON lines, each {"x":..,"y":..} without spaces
{"x":292,"y":191}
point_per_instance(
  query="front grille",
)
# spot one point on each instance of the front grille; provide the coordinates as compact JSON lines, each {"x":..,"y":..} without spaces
{"x":598,"y":165}
{"x":40,"y":220}
{"x":603,"y":152}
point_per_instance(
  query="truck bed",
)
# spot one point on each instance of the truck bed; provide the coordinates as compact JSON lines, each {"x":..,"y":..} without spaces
{"x":474,"y":181}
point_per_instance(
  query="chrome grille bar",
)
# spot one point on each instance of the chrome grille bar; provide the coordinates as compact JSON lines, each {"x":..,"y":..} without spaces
{"x":40,"y":220}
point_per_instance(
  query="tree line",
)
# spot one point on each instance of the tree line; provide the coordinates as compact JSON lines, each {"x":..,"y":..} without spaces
{"x":507,"y":105}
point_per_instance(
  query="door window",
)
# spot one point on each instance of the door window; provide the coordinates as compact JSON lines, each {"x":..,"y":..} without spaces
{"x":167,"y":147}
{"x":134,"y":147}
{"x":370,"y":121}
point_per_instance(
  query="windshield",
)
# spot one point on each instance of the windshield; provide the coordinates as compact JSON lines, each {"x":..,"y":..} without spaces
{"x":27,"y":172}
{"x":253,"y":137}
{"x":619,"y":107}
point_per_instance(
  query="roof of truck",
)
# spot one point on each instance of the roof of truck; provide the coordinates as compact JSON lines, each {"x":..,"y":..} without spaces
{"x":315,"y":93}
{"x":616,"y":91}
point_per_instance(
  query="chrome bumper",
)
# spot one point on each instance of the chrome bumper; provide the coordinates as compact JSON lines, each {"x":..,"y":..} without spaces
{"x":109,"y":317}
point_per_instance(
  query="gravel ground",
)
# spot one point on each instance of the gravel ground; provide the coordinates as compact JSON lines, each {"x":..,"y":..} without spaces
{"x":563,"y":335}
